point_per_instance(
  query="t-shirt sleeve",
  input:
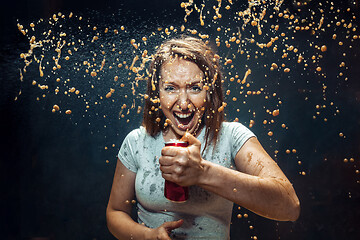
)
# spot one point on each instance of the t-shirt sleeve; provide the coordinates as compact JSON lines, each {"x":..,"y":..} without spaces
{"x":127,"y":151}
{"x":239,"y":135}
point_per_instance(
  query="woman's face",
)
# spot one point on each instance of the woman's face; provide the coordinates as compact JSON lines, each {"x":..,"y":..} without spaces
{"x":182,"y":96}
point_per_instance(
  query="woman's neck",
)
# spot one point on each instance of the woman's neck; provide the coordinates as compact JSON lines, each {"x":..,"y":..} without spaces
{"x":169,"y":134}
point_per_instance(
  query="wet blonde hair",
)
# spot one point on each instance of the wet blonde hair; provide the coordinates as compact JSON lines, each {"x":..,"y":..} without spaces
{"x":194,"y":50}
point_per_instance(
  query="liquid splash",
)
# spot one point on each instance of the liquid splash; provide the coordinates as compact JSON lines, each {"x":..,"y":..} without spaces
{"x":269,"y":51}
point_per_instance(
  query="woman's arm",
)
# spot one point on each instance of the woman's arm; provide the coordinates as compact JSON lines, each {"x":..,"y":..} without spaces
{"x":259,"y":184}
{"x":119,"y":207}
{"x":118,"y":211}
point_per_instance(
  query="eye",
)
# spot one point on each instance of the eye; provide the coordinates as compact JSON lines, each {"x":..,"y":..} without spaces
{"x":169,"y":88}
{"x":196,"y":88}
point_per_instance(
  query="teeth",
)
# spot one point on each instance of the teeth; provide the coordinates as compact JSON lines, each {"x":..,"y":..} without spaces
{"x":181,"y":115}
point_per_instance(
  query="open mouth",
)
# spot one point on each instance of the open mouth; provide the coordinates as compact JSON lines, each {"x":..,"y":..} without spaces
{"x":184,"y":118}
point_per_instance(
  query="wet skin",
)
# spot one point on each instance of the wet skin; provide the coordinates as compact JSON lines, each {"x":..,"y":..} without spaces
{"x":182,"y":97}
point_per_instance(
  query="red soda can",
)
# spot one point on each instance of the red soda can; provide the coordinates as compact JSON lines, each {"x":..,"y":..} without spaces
{"x":173,"y":191}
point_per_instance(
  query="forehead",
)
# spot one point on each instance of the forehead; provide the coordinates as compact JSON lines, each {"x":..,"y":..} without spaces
{"x":180,"y":69}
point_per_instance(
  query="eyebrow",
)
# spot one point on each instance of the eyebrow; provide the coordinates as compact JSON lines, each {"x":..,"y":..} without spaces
{"x":173,"y":83}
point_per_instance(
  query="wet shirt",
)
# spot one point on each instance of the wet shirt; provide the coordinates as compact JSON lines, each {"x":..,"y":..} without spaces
{"x":206,"y":215}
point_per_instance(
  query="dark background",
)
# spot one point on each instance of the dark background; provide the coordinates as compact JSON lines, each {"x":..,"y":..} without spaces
{"x":55,"y":181}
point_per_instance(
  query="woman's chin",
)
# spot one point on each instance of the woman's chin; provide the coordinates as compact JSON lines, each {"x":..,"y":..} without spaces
{"x":182,"y":128}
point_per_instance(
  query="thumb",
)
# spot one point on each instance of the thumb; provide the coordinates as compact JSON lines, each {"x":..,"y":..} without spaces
{"x":169,"y":226}
{"x":188,"y":137}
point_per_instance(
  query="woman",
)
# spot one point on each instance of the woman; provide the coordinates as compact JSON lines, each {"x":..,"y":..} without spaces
{"x":223,"y":164}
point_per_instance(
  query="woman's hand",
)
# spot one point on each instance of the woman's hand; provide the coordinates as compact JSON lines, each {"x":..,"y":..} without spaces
{"x":163,"y":232}
{"x":182,"y":165}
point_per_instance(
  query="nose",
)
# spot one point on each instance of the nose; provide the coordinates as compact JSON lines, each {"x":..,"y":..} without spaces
{"x":183,"y":100}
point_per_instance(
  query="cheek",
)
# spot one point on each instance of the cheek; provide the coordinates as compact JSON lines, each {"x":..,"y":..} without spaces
{"x":199,"y":101}
{"x":167,"y":100}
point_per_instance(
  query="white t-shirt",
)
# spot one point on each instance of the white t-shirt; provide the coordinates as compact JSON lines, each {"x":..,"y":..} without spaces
{"x":206,"y":215}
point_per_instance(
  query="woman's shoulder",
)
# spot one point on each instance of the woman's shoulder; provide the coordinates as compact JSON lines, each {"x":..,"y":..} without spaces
{"x":140,"y":133}
{"x":231,"y":126}
{"x":231,"y":129}
{"x":137,"y":133}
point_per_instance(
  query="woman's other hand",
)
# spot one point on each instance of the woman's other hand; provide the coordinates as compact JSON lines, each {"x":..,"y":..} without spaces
{"x":163,"y":232}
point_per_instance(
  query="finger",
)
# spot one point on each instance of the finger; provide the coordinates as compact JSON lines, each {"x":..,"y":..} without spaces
{"x":175,"y":170}
{"x":181,"y":159}
{"x":169,"y":226}
{"x":172,"y":178}
{"x":166,"y":160}
{"x":167,"y":176}
{"x":169,"y":151}
{"x":166,"y":169}
{"x":188,"y":137}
